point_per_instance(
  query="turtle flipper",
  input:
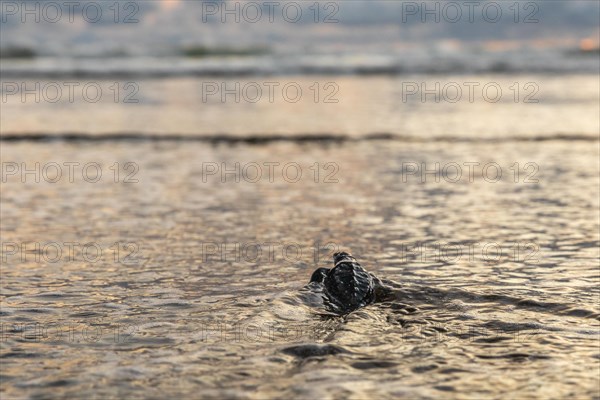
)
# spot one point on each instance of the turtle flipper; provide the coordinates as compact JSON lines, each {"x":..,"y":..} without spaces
{"x":319,"y":275}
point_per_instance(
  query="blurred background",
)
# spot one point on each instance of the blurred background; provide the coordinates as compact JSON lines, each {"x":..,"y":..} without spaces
{"x":165,"y":67}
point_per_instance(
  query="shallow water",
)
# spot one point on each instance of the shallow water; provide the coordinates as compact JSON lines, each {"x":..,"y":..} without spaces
{"x":496,"y":285}
{"x":416,"y":106}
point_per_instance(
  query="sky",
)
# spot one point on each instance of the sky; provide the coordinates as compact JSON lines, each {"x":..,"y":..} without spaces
{"x":164,"y":26}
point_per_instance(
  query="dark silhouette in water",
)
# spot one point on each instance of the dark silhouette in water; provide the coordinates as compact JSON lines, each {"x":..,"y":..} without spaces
{"x":347,"y":286}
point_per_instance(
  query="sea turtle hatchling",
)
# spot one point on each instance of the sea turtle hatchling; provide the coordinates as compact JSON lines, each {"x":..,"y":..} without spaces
{"x":347,"y":286}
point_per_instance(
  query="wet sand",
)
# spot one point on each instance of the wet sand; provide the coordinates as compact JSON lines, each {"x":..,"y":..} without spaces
{"x":497,"y":281}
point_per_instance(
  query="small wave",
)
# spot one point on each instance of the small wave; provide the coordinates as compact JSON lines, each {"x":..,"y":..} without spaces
{"x":256,"y":67}
{"x":432,"y":295}
{"x":261,"y":139}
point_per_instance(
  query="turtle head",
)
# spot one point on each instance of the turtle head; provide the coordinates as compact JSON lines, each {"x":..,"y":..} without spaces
{"x":319,"y":275}
{"x":341,"y":256}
